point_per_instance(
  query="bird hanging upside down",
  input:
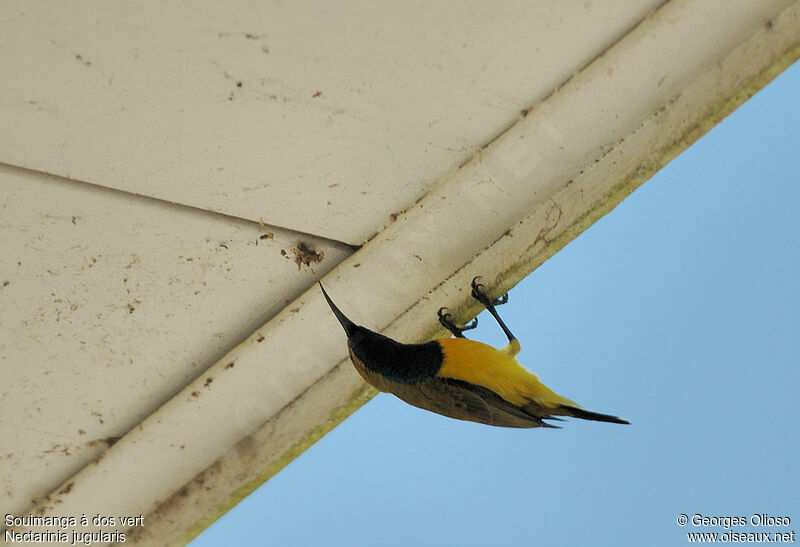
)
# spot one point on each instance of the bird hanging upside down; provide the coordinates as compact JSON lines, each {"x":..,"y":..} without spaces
{"x":460,"y":378}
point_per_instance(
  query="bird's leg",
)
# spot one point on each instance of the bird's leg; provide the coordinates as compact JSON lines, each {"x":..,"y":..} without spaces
{"x":478,"y":294}
{"x":447,"y":322}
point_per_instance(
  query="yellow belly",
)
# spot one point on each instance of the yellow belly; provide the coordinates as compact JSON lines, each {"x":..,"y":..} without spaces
{"x":483,"y":365}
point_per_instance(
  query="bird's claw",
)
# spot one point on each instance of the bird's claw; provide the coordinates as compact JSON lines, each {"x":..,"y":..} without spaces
{"x":480,"y":296}
{"x":447,"y":322}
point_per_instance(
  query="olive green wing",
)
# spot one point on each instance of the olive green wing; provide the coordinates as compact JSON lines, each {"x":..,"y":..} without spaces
{"x":464,"y":401}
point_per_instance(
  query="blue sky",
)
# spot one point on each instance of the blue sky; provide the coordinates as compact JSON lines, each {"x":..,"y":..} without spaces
{"x":678,"y":311}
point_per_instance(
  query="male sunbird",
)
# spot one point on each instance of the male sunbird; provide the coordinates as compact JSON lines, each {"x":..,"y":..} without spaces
{"x":460,"y":378}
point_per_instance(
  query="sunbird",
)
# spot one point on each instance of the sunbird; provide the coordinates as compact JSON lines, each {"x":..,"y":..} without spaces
{"x":458,"y":377}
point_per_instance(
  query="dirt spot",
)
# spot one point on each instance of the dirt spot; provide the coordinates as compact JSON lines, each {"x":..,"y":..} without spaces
{"x":230,"y":365}
{"x":269,"y":235}
{"x":67,"y":489}
{"x":316,"y":94}
{"x":524,"y":112}
{"x":208,"y":381}
{"x":108,"y":441}
{"x":195,"y":394}
{"x":99,"y":416}
{"x":58,"y":448}
{"x":305,"y":256}
{"x":260,"y":338}
{"x":80,"y":59}
{"x":134,"y":260}
{"x":245,"y":35}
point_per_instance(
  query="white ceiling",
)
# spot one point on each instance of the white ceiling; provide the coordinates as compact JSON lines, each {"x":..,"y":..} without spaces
{"x":178,"y":177}
{"x":305,"y":114}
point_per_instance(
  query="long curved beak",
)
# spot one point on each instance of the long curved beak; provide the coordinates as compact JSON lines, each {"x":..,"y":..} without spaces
{"x":348,"y":325}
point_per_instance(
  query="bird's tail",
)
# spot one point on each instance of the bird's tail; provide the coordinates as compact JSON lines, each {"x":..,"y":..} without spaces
{"x":576,"y":412}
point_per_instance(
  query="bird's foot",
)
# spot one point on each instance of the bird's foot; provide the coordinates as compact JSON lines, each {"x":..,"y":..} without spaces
{"x":447,"y":322}
{"x":483,"y":298}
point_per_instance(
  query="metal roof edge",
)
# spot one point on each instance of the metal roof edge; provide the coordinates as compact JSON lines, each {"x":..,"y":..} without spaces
{"x":506,"y":279}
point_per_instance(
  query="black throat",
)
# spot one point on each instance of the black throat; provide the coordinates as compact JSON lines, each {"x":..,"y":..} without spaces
{"x":407,"y":363}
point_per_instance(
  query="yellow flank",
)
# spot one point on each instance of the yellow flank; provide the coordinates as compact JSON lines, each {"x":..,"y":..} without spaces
{"x":482,"y":365}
